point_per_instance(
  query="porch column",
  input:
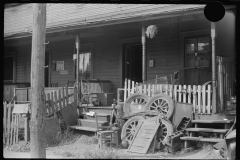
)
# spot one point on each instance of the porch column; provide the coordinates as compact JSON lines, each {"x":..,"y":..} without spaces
{"x":77,"y":41}
{"x":214,"y":98}
{"x":144,"y":55}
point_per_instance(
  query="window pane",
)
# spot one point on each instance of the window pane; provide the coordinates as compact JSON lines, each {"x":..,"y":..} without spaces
{"x":203,"y":44}
{"x":8,"y":68}
{"x":85,"y":65}
{"x":190,"y":46}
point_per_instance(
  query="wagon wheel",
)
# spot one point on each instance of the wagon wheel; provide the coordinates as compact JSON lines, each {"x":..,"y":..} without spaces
{"x":165,"y":129}
{"x":129,"y":128}
{"x":161,"y":103}
{"x":137,"y":99}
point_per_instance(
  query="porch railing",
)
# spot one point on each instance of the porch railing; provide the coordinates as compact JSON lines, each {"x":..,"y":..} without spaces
{"x":198,"y":95}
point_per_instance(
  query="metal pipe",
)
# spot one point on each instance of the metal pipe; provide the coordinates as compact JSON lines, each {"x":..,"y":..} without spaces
{"x":213,"y":35}
{"x":77,"y":41}
{"x":143,"y":54}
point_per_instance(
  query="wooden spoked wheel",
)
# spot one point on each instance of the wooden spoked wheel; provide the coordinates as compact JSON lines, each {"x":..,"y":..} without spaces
{"x":129,"y":128}
{"x":139,"y":100}
{"x":161,"y":103}
{"x":165,"y":130}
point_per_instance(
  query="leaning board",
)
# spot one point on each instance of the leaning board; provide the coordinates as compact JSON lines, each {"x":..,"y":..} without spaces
{"x":144,"y":136}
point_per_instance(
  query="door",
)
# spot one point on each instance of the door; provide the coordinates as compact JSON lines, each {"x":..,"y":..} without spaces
{"x":197,"y":60}
{"x":133,"y":63}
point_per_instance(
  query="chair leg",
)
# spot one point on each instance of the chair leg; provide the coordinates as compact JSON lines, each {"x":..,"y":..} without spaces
{"x":101,"y":144}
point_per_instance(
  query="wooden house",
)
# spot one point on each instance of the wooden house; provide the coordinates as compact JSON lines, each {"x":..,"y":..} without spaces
{"x":114,"y":46}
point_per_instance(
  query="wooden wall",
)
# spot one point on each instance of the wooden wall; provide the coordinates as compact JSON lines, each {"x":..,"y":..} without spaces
{"x":165,"y":49}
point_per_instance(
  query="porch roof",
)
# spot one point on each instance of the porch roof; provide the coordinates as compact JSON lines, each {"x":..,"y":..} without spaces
{"x":60,"y":17}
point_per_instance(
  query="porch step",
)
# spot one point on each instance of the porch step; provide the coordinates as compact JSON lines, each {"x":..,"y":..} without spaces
{"x":212,"y":121}
{"x":101,"y":116}
{"x":91,"y":123}
{"x":201,"y":139}
{"x":206,"y":130}
{"x":83,"y":128}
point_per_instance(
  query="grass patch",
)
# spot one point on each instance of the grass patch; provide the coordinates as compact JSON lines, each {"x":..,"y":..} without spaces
{"x":22,"y":146}
{"x":89,"y":140}
{"x":65,"y":138}
{"x":101,"y":154}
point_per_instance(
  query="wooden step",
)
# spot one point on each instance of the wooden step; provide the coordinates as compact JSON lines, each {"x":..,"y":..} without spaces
{"x":101,"y":116}
{"x":83,"y":128}
{"x":91,"y":123}
{"x":206,"y":130}
{"x":212,"y":121}
{"x":201,"y":139}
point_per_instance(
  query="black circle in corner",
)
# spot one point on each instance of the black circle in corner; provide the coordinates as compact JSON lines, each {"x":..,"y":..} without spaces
{"x":214,"y":11}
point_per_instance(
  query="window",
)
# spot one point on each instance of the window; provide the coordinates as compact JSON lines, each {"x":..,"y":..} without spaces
{"x":84,"y":65}
{"x":9,"y":67}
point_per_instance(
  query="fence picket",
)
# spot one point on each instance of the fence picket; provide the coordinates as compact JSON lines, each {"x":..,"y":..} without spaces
{"x":125,"y":90}
{"x":5,"y":121}
{"x":133,"y":84}
{"x":9,"y":112}
{"x":194,"y":98}
{"x":129,"y":87}
{"x":141,"y":89}
{"x":175,"y":92}
{"x":53,"y":105}
{"x":18,"y":116}
{"x":67,"y":101}
{"x":161,"y":88}
{"x":189,"y":91}
{"x":180,"y":94}
{"x":11,"y":138}
{"x":199,"y":98}
{"x":209,"y":99}
{"x":203,"y":99}
{"x":49,"y":104}
{"x":60,"y":99}
{"x":145,"y":89}
{"x":63,"y":97}
{"x":149,"y":90}
{"x":184,"y":93}
{"x":170,"y":91}
{"x":56,"y":101}
{"x":166,"y":89}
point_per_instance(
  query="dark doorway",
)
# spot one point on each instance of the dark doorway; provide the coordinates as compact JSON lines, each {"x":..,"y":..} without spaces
{"x":46,"y":72}
{"x":132,"y":62}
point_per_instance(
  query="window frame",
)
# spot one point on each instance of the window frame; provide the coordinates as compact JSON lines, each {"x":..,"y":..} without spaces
{"x":75,"y":64}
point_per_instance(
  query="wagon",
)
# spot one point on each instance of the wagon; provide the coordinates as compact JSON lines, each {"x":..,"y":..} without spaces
{"x":140,"y":106}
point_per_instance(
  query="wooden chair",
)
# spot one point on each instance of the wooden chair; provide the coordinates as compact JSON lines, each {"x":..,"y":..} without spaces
{"x":105,"y":135}
{"x":54,"y":84}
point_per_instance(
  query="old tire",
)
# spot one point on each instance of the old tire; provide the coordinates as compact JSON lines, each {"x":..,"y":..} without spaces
{"x":161,"y":103}
{"x":136,"y":99}
{"x":165,"y":129}
{"x":129,"y":128}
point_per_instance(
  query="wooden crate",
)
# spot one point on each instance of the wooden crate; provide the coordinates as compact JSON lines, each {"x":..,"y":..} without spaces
{"x":106,"y":99}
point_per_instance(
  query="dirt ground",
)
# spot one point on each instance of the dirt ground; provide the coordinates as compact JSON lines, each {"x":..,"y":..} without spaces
{"x":84,"y":146}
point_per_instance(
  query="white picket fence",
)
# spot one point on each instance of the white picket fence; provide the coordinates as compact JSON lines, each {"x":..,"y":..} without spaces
{"x":199,"y":96}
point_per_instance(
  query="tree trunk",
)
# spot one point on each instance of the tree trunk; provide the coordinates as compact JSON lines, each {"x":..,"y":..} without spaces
{"x":37,"y":130}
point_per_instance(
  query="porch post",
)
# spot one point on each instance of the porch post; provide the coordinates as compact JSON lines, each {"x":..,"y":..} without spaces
{"x":214,"y":98}
{"x":143,"y":54}
{"x":77,"y":41}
